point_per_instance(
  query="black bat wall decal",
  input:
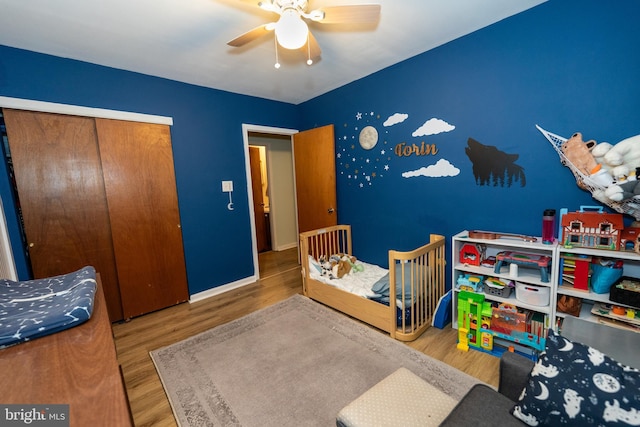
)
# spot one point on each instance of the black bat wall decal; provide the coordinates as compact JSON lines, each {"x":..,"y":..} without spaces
{"x":492,"y":166}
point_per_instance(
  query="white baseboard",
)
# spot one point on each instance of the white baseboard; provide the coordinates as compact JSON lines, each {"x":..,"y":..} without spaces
{"x":222,"y":289}
{"x":287,"y":246}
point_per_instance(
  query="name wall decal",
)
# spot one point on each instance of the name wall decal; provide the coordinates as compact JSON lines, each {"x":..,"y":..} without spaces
{"x":405,"y":150}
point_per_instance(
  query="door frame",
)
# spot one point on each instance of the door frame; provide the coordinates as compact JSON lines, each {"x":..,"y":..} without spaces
{"x":246,"y":129}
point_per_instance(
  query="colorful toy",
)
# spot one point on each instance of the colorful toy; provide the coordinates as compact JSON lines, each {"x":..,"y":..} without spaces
{"x":630,"y":238}
{"x":507,"y":319}
{"x":471,"y":254}
{"x":593,"y":229}
{"x":541,"y":262}
{"x":471,"y":307}
{"x":470,"y":282}
{"x":576,"y":270}
{"x":487,"y":341}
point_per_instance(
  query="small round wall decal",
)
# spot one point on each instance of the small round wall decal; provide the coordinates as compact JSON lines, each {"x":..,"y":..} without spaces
{"x":368,"y":137}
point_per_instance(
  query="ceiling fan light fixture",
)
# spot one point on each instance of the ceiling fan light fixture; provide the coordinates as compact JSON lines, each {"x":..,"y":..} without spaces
{"x":291,"y":31}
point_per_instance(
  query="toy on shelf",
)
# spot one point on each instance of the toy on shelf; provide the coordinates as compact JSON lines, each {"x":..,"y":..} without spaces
{"x":592,"y":229}
{"x":469,"y":282}
{"x":489,"y":261}
{"x":506,"y":319}
{"x":630,"y":238}
{"x":575,"y":269}
{"x":471,"y":254}
{"x":541,"y":262}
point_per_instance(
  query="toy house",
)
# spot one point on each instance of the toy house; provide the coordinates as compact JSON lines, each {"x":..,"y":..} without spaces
{"x":630,"y":239}
{"x":471,"y":254}
{"x":596,"y":230}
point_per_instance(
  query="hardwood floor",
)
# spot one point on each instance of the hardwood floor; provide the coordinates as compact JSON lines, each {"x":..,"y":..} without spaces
{"x":280,"y":278}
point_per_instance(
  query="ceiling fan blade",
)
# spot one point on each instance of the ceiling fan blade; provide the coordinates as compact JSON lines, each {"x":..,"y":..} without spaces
{"x":314,"y":47}
{"x":353,"y":14}
{"x":251,"y":35}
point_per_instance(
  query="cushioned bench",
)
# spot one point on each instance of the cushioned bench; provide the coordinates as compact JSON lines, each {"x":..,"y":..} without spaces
{"x":401,"y":399}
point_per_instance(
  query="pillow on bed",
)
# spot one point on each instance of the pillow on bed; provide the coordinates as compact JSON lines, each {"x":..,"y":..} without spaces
{"x":381,"y":287}
{"x":36,"y":308}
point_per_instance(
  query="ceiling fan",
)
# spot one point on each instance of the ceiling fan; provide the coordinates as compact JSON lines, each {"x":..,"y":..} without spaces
{"x":291,"y":29}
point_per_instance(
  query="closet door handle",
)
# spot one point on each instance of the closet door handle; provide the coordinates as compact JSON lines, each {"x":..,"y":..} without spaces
{"x":331,"y":210}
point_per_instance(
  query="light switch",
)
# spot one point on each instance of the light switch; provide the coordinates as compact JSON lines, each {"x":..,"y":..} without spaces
{"x":227,"y":186}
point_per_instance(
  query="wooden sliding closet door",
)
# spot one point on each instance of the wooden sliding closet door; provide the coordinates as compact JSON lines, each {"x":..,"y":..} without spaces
{"x":61,"y":190}
{"x":139,"y":179}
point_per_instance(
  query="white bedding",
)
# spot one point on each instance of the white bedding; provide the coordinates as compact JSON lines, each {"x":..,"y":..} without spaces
{"x":356,"y":282}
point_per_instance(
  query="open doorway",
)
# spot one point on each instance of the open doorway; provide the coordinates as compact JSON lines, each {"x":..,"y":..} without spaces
{"x":271,"y":180}
{"x":309,"y":170}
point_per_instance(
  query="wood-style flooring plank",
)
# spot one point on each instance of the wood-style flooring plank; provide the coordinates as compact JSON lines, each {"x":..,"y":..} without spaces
{"x":280,"y":279}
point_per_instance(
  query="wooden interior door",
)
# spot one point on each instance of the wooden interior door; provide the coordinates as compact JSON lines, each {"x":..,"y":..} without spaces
{"x":258,"y":200}
{"x":139,"y":180}
{"x":315,"y":171}
{"x":61,"y":190}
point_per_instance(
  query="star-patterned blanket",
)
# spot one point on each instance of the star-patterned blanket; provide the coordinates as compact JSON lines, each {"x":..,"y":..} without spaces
{"x":35,"y":308}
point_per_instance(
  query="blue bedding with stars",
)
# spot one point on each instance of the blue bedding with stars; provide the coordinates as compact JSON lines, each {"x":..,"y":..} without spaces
{"x":36,"y":308}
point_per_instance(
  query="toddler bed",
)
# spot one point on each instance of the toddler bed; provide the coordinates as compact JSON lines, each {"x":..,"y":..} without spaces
{"x":413,"y":284}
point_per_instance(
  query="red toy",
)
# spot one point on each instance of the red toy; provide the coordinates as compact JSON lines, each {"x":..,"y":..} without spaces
{"x":630,"y":238}
{"x":471,"y":254}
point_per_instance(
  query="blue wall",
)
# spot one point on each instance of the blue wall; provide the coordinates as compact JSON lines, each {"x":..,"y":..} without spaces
{"x":569,"y":65}
{"x":207,"y":144}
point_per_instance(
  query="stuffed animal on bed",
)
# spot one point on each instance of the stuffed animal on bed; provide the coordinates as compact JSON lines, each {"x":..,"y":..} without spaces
{"x":337,"y":266}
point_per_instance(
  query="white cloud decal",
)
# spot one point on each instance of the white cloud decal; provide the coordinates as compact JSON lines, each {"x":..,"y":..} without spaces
{"x":432,"y":127}
{"x":395,"y":119}
{"x":440,"y":169}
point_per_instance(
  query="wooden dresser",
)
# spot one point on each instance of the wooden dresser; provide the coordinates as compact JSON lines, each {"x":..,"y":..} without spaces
{"x":77,"y":366}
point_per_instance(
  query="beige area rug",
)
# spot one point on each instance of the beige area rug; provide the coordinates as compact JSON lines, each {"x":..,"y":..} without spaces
{"x":296,"y":363}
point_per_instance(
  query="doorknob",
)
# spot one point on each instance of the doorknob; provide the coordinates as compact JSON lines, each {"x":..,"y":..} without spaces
{"x":31,"y":245}
{"x":331,"y":210}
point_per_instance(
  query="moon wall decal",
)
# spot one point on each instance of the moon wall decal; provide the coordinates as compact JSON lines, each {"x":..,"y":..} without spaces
{"x":368,"y":137}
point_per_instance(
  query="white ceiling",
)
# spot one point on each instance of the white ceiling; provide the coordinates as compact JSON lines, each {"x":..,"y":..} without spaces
{"x":185,"y":40}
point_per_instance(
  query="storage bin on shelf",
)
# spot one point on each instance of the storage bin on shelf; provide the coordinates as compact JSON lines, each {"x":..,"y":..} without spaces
{"x":497,"y":287}
{"x":532,"y":294}
{"x":626,"y":291}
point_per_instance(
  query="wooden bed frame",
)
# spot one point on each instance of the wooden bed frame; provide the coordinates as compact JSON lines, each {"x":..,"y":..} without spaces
{"x":425,"y":278}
